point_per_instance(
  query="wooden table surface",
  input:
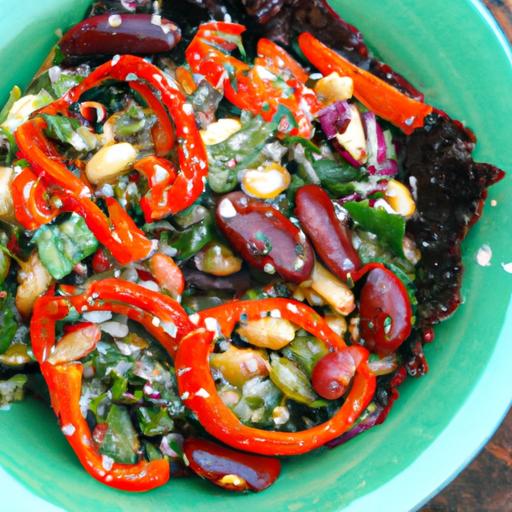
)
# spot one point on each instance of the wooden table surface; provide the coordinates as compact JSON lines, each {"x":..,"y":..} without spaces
{"x":486,"y":484}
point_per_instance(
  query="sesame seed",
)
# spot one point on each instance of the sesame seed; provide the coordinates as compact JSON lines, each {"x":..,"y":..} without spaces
{"x":115,"y":20}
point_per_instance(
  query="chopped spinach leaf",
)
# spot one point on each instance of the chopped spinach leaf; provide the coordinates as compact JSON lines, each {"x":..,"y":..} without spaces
{"x":62,"y":246}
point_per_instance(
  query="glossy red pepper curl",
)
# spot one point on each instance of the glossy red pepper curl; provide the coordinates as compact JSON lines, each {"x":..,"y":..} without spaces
{"x":126,"y":241}
{"x":64,"y":379}
{"x":193,"y":160}
{"x":30,"y":199}
{"x":163,"y":130}
{"x":198,"y":391}
{"x":65,"y":386}
{"x":161,"y":175}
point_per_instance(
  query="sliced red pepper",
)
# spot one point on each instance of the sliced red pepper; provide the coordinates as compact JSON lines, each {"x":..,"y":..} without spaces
{"x":65,"y":380}
{"x":161,"y":315}
{"x":377,"y":95}
{"x":188,"y":185}
{"x":193,"y":161}
{"x":44,"y":158}
{"x":65,"y":386}
{"x":281,"y":63}
{"x":120,"y":235}
{"x":161,"y":175}
{"x":130,"y":236}
{"x":30,"y":202}
{"x":163,"y":130}
{"x":255,"y":88}
{"x":198,"y":391}
{"x":126,"y":242}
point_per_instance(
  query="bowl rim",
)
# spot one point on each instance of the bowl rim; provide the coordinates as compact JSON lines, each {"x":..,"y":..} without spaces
{"x":493,"y":381}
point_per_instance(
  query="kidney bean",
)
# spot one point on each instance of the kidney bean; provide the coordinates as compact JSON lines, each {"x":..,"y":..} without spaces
{"x":332,"y":374}
{"x":385,"y":311}
{"x":111,"y":34}
{"x":229,"y":469}
{"x":329,"y":236}
{"x":265,"y":237}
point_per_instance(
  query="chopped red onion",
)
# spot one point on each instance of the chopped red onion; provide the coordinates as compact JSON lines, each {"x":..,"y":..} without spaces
{"x":351,"y":197}
{"x":335,"y":118}
{"x":369,"y":422}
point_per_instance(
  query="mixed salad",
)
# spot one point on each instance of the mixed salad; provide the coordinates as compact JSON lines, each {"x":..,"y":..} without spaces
{"x":226,"y":232}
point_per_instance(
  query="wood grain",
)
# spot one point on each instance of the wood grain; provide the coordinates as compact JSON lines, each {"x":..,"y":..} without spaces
{"x":486,"y":484}
{"x":502,"y":11}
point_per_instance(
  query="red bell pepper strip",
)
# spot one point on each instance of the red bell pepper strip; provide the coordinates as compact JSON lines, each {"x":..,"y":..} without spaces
{"x":31,"y":207}
{"x":130,"y":236}
{"x":281,"y":63}
{"x":198,"y":391}
{"x":65,"y":385}
{"x":126,"y":242}
{"x":377,"y":95}
{"x":163,"y":130}
{"x":160,"y":174}
{"x":255,"y":88}
{"x":160,"y":314}
{"x":35,"y":147}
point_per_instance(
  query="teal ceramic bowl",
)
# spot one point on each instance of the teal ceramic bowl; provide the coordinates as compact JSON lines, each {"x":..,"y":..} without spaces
{"x":456,"y":54}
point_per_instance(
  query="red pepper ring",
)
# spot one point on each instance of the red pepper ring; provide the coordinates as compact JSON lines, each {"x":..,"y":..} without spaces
{"x":30,"y":205}
{"x":64,"y":380}
{"x":198,"y":391}
{"x":35,"y":147}
{"x":65,"y":384}
{"x":193,"y":160}
{"x":160,"y":174}
{"x":251,"y":88}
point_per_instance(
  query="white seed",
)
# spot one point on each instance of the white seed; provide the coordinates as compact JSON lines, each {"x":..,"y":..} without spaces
{"x":115,"y":20}
{"x":226,"y":209}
